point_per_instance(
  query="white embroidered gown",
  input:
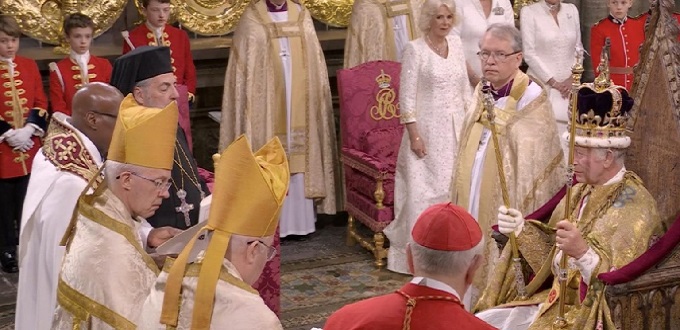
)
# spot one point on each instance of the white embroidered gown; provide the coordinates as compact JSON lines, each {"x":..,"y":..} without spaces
{"x":550,"y":50}
{"x":473,"y":24}
{"x":433,"y":93}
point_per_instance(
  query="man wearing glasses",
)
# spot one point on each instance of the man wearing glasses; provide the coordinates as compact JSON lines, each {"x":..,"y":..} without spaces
{"x":528,"y":143}
{"x":209,"y":286}
{"x":106,"y":272}
{"x":147,"y":74}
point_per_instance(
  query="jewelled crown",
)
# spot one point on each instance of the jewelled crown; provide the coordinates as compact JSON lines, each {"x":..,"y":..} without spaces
{"x":383,"y":80}
{"x":603,"y":112}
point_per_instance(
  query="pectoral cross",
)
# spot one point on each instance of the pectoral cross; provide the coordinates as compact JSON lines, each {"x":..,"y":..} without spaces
{"x":184,"y":207}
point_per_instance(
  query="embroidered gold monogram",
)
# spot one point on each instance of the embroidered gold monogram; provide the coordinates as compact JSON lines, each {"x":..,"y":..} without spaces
{"x":385,"y":107}
{"x":64,"y":149}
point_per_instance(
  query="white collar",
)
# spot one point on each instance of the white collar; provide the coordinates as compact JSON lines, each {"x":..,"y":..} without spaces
{"x":6,"y":59}
{"x":80,"y":58}
{"x":157,"y":31}
{"x":434,"y":284}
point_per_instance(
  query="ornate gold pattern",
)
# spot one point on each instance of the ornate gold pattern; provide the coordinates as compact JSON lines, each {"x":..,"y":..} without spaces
{"x":209,"y":17}
{"x":90,"y":212}
{"x":42,"y":20}
{"x":385,"y":107}
{"x":66,"y":151}
{"x":376,"y":246}
{"x":83,"y":308}
{"x":331,"y":12}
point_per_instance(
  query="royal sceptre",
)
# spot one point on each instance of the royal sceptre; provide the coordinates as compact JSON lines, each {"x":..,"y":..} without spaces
{"x":576,"y":73}
{"x":491,"y":117}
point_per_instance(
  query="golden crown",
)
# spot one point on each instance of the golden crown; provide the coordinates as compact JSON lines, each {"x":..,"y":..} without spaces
{"x":383,"y":80}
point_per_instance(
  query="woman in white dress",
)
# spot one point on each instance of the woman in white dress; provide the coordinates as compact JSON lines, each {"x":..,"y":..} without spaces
{"x":476,"y":16}
{"x":551,"y":39}
{"x":434,"y":90}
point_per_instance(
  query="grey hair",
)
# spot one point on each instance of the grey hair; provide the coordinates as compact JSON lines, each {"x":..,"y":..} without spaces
{"x":144,"y":83}
{"x":507,"y":32}
{"x":429,"y":9}
{"x":619,"y":154}
{"x":437,"y":262}
{"x":112,"y":169}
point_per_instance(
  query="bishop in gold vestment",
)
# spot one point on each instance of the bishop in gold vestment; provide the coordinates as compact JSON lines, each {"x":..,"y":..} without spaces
{"x":277,"y":85}
{"x":106,"y":273}
{"x":209,"y":286}
{"x":532,"y":158}
{"x":379,"y":30}
{"x":614,"y":221}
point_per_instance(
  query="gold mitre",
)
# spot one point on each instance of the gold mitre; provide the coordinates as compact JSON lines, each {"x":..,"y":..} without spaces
{"x":144,"y":136}
{"x":247,"y":197}
{"x":603,"y":110}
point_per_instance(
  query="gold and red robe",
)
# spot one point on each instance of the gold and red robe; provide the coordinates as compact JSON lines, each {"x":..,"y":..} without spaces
{"x":69,"y":79}
{"x":618,"y":221}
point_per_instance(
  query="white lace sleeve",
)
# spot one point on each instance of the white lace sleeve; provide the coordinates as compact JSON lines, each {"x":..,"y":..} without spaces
{"x":587,"y":264}
{"x":408,"y":86}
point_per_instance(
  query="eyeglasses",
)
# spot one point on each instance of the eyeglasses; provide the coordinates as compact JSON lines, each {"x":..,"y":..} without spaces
{"x":104,"y":114}
{"x":161,"y":185}
{"x":498,"y":56}
{"x":271,"y":251}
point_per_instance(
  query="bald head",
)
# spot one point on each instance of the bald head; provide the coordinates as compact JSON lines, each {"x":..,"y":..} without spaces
{"x":94,"y":113}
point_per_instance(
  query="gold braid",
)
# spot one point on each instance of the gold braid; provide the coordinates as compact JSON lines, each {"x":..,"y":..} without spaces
{"x":411,"y":304}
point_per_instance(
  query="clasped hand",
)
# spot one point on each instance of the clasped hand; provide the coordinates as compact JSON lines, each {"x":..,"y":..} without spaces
{"x":20,"y":139}
{"x":570,"y":240}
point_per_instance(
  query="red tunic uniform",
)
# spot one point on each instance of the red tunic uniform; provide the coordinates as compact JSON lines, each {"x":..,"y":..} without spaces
{"x":23,"y":101}
{"x":62,"y":89}
{"x":434,"y":309}
{"x":626,"y":37}
{"x":180,"y":51}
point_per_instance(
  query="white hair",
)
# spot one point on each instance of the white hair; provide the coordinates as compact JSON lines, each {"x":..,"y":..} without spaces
{"x":112,"y":169}
{"x":448,"y":263}
{"x":429,"y":9}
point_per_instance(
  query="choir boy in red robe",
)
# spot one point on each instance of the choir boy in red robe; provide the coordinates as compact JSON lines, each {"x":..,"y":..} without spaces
{"x":79,"y":68}
{"x":23,"y":120}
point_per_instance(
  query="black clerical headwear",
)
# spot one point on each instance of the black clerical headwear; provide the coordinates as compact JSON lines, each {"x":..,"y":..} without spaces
{"x":141,"y":63}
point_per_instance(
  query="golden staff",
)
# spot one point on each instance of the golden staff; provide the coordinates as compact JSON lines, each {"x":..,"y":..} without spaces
{"x":576,"y":72}
{"x":491,"y":116}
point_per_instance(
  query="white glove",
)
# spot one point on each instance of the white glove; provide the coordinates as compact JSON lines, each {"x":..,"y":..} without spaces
{"x":19,"y":137}
{"x":510,"y":221}
{"x":25,"y":146}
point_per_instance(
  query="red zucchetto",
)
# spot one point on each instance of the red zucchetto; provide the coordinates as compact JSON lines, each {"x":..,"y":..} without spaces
{"x":446,"y":227}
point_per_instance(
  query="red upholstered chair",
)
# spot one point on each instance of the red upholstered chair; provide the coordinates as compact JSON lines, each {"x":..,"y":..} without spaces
{"x":371,"y":134}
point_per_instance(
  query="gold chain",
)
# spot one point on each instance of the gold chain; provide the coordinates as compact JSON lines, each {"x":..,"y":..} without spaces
{"x":193,"y":178}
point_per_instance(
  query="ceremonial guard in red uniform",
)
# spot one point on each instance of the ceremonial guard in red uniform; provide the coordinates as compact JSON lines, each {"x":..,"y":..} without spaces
{"x":432,"y":300}
{"x":70,"y":74}
{"x":23,"y":119}
{"x":626,"y":35}
{"x":156,"y":32}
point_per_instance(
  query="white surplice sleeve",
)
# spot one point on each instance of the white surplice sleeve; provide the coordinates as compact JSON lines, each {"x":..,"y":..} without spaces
{"x":529,"y":30}
{"x":408,"y":86}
